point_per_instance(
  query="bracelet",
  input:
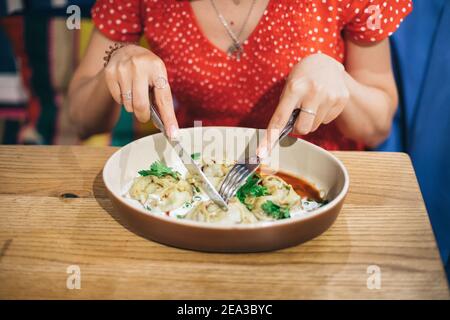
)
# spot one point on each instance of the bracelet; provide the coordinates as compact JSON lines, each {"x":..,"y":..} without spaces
{"x":113,"y":48}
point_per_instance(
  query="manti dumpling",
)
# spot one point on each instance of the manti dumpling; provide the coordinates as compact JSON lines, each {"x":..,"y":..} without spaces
{"x":215,"y":172}
{"x":279,"y":192}
{"x":208,"y":211}
{"x":161,"y":193}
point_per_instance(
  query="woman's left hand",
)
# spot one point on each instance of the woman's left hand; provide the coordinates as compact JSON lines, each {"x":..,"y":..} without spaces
{"x":316,"y":85}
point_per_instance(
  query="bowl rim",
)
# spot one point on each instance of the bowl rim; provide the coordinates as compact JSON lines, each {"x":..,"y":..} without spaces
{"x":250,"y":226}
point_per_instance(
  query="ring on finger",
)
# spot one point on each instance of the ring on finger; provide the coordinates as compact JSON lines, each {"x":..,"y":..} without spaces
{"x":161,"y":82}
{"x":308,"y":111}
{"x":127,"y":95}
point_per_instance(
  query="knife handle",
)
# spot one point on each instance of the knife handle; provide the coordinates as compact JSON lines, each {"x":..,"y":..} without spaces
{"x":154,"y":114}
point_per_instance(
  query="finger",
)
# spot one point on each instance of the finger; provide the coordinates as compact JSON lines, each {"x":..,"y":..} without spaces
{"x":318,"y":119}
{"x":322,"y":111}
{"x":335,"y":111}
{"x":113,"y":85}
{"x":333,"y":114}
{"x":126,"y":86}
{"x":164,"y":103}
{"x":141,"y":101}
{"x":292,"y":94}
{"x":310,"y":106}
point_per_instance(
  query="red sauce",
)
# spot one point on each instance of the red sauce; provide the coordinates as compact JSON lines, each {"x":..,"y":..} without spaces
{"x":302,"y":187}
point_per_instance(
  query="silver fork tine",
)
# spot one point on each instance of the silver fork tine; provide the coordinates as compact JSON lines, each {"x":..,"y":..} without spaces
{"x":240,"y":177}
{"x":243,"y":179}
{"x":229,"y":176}
{"x":240,"y":172}
{"x":227,"y":182}
{"x":237,"y":183}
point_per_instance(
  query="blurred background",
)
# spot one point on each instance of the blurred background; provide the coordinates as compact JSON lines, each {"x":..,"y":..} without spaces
{"x":38,"y":54}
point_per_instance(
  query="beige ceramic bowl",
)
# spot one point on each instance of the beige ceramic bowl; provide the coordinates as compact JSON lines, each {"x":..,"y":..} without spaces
{"x":300,"y":158}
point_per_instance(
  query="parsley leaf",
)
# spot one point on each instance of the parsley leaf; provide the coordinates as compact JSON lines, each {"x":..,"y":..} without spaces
{"x":275,"y":210}
{"x":195,"y":156}
{"x":251,"y":188}
{"x":158,"y":169}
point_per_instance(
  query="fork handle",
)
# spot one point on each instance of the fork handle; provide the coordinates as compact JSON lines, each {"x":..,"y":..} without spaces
{"x":289,"y":125}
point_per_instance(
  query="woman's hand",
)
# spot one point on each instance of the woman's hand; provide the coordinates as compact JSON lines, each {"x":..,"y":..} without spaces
{"x":316,"y":85}
{"x":130,"y":73}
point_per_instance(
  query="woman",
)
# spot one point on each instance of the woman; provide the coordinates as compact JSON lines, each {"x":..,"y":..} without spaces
{"x":244,"y":63}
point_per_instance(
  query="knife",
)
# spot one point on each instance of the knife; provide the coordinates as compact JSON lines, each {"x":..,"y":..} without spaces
{"x":189,"y":163}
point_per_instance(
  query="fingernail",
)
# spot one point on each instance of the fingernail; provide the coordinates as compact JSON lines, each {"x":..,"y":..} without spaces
{"x":174,"y":133}
{"x":303,"y":131}
{"x":263,"y":152}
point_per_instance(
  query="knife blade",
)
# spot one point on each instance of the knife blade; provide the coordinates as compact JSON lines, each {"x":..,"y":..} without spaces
{"x":189,"y":163}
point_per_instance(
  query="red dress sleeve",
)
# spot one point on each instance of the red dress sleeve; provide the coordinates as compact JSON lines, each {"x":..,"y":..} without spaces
{"x":373,"y":20}
{"x":118,"y":20}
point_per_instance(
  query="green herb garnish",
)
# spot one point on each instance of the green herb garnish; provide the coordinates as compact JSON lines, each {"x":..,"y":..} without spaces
{"x":251,"y":188}
{"x":195,"y":156}
{"x":159,"y":169}
{"x":275,"y":210}
{"x":187,"y":204}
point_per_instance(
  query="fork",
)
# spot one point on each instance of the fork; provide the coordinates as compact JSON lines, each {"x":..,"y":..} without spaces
{"x":239,"y":173}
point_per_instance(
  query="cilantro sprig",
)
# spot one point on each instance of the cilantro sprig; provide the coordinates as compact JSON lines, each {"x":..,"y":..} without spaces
{"x":251,"y":188}
{"x":275,"y":211}
{"x":159,"y":169}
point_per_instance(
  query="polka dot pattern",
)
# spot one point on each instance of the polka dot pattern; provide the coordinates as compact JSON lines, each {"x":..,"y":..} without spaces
{"x":219,"y":90}
{"x":118,"y":20}
{"x":374,"y":20}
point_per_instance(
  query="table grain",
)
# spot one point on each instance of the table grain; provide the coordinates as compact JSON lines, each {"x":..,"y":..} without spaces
{"x":54,"y":213}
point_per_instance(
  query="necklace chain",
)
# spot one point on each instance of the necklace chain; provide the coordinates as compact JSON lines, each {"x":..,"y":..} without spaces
{"x":236,"y":48}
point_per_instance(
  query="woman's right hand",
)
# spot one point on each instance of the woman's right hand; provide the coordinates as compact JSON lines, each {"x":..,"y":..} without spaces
{"x":136,"y":70}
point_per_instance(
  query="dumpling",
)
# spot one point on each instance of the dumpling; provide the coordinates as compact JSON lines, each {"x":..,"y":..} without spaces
{"x":173,"y":197}
{"x":142,"y":187}
{"x":246,"y":215}
{"x":283,"y":194}
{"x":161,"y":193}
{"x":280,"y":193}
{"x":215,"y":172}
{"x":208,"y":211}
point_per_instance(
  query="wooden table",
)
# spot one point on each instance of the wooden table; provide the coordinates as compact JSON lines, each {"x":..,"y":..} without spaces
{"x":384,"y":223}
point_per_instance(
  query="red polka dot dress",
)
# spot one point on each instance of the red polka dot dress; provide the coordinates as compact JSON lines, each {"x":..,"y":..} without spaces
{"x":217,"y":89}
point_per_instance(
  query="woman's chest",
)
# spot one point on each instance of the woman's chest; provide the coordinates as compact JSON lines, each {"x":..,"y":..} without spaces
{"x":280,"y":34}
